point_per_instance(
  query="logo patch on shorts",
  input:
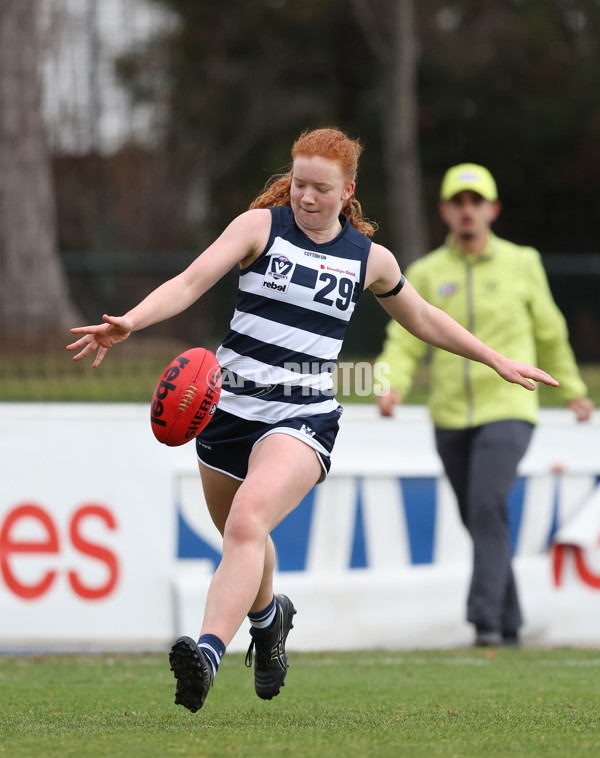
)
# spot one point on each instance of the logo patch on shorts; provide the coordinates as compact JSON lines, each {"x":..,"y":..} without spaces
{"x":305,"y":429}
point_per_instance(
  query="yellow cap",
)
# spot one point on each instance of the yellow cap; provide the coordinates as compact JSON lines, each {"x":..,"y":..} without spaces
{"x":468,"y":176}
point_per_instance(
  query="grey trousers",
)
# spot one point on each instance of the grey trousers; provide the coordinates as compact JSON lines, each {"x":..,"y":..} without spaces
{"x":481,"y":465}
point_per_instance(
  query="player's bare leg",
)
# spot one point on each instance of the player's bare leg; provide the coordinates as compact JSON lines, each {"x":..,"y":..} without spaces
{"x":282,"y":470}
{"x":219,"y":491}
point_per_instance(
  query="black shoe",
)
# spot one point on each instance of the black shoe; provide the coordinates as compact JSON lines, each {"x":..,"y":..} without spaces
{"x":193,"y":672}
{"x":271,"y":663}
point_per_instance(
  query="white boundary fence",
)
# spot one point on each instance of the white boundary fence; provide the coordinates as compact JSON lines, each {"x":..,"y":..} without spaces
{"x":105,"y":541}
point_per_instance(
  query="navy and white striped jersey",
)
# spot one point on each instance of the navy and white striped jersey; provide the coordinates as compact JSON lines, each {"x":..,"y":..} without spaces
{"x":293,"y":307}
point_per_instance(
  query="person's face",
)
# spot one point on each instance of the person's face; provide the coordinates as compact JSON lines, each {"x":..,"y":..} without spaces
{"x":468,"y":215}
{"x":318,"y":192}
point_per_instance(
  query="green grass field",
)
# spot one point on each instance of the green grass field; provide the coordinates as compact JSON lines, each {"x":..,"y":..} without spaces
{"x":467,"y":702}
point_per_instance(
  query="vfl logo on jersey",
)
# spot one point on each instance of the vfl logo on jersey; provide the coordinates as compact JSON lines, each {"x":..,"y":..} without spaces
{"x":280,"y":267}
{"x":279,"y":274}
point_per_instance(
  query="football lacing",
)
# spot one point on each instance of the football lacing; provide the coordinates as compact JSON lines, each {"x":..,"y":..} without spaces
{"x":187,"y":398}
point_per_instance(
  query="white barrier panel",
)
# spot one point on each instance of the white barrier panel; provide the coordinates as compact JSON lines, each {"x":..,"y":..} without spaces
{"x":105,"y":540}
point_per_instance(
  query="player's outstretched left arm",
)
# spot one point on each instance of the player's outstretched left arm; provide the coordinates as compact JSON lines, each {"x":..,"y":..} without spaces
{"x":432,"y":325}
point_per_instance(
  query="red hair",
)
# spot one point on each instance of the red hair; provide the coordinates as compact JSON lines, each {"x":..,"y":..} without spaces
{"x":330,"y":143}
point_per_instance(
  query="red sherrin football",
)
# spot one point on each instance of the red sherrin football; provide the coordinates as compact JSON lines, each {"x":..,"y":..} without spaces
{"x":185,"y":397}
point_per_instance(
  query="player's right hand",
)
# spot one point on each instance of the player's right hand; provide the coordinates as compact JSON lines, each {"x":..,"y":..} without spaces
{"x":102,"y":336}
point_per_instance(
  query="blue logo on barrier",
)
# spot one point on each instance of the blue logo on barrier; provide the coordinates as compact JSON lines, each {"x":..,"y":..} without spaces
{"x":190,"y":544}
{"x":356,"y":523}
{"x":418,"y":504}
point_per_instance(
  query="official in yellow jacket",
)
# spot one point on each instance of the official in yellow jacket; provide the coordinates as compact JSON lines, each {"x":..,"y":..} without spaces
{"x":483,"y":426}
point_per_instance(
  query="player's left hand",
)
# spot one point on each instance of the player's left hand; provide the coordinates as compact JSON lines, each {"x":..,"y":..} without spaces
{"x":520,"y":373}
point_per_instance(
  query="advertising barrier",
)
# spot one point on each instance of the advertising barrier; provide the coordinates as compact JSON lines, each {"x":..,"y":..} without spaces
{"x":105,"y":541}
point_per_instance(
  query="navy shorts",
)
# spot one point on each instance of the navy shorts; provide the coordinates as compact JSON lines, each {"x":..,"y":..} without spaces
{"x":226,"y":443}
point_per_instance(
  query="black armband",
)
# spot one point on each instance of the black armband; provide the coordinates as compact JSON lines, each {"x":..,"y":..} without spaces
{"x":396,"y":289}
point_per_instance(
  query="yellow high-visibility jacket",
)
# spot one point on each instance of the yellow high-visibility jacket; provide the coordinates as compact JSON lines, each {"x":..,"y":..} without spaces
{"x":501,"y":296}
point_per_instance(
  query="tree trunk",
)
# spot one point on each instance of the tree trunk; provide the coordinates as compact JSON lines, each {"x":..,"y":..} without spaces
{"x":34,"y":297}
{"x":402,"y":138}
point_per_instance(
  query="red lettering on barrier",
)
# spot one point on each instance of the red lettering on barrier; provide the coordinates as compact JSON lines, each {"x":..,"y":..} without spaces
{"x":593,"y":580}
{"x":94,"y":551}
{"x":558,"y":560}
{"x":585,"y":573}
{"x":10,"y":545}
